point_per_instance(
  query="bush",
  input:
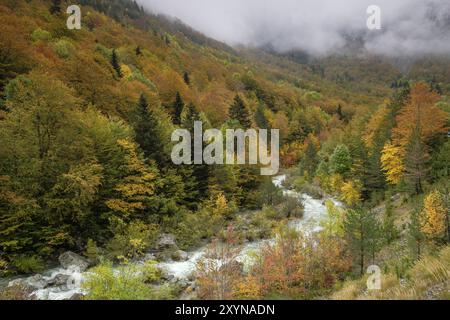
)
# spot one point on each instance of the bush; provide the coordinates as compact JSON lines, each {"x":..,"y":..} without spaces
{"x":63,"y":48}
{"x":28,"y":264}
{"x":41,"y":35}
{"x":92,"y":251}
{"x":191,"y":228}
{"x":131,"y":241}
{"x":151,"y":272}
{"x":125,"y":282}
{"x":293,"y":208}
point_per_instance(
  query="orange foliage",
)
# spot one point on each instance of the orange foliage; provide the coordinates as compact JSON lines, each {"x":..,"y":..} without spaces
{"x":420,"y":112}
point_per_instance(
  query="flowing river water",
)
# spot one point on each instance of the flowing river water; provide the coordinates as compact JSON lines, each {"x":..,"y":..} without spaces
{"x":314,"y":212}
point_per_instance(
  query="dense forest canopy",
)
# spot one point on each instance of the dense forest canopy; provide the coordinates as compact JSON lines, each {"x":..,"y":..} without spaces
{"x":86,"y":118}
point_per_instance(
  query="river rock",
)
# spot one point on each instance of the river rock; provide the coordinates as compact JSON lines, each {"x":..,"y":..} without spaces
{"x":180,"y":255}
{"x":149,"y":257}
{"x":58,"y":280}
{"x":72,"y":260}
{"x":167,"y":242}
{"x":29,"y":284}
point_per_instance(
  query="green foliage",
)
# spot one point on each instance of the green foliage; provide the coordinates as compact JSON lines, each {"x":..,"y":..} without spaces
{"x":126,"y":282}
{"x":115,"y":63}
{"x":63,"y":48}
{"x":150,"y":272}
{"x":28,"y":264}
{"x":41,"y":35}
{"x":92,"y":251}
{"x":131,"y":241}
{"x":238,"y":111}
{"x":362,"y":232}
{"x":178,"y":107}
{"x":341,"y":160}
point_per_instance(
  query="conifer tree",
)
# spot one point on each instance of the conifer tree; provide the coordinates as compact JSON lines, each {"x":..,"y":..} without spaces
{"x":363,"y":235}
{"x":148,"y":132}
{"x":55,"y":7}
{"x":238,"y":111}
{"x":177,"y":107}
{"x":186,"y":78}
{"x":115,"y":63}
{"x":138,"y":51}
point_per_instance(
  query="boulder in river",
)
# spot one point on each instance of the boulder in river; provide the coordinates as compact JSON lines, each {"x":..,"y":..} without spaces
{"x":29,"y":284}
{"x":180,"y":255}
{"x":167,"y":242}
{"x":72,"y":260}
{"x":59,"y":280}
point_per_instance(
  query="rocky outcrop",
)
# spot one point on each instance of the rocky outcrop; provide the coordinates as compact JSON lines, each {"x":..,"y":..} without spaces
{"x":72,"y":260}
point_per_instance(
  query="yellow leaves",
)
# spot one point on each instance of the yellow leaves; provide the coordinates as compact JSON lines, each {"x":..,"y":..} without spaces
{"x":392,"y":163}
{"x":434,"y":215}
{"x":351,"y":193}
{"x":221,"y":205}
{"x":248,"y":289}
{"x":137,"y":186}
{"x":335,"y":182}
{"x":374,"y":125}
{"x":126,"y":71}
{"x":124,"y":207}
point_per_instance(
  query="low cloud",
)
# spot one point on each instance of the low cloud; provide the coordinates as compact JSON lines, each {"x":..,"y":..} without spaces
{"x":409,"y":27}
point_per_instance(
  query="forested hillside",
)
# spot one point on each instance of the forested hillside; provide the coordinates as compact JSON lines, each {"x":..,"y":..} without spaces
{"x":86,"y":118}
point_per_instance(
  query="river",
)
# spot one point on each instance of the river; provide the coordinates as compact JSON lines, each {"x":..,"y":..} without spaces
{"x":314,"y":212}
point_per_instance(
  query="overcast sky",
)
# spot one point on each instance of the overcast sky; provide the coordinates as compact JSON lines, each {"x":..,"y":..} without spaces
{"x":317,"y":26}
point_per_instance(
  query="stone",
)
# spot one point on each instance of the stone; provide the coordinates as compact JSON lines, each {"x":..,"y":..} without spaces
{"x":72,"y":260}
{"x":180,"y":255}
{"x":167,"y":242}
{"x":149,"y":257}
{"x":58,"y":280}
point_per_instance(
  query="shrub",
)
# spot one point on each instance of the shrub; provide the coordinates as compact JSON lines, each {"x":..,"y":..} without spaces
{"x":293,"y":208}
{"x":92,"y":251}
{"x":41,"y":35}
{"x":191,"y":228}
{"x":63,"y":48}
{"x":131,"y":241}
{"x":28,"y":264}
{"x":151,"y":272}
{"x":122,"y":283}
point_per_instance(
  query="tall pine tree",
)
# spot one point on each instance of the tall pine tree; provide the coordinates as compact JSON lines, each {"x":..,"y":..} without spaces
{"x":148,"y":133}
{"x":115,"y":63}
{"x":238,"y":111}
{"x":177,"y":107}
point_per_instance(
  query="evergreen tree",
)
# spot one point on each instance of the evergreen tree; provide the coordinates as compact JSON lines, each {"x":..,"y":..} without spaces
{"x":416,"y":162}
{"x":199,"y":187}
{"x":310,"y":159}
{"x":148,"y":133}
{"x":55,"y":7}
{"x":341,"y":160}
{"x":115,"y":63}
{"x":186,"y":78}
{"x":177,"y":107}
{"x":138,"y":51}
{"x":238,"y":111}
{"x":363,"y":235}
{"x":260,"y":118}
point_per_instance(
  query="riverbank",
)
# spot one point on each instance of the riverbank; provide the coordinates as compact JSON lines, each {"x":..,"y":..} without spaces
{"x":65,"y":282}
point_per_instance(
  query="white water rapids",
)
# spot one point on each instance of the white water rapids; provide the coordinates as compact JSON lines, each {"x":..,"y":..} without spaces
{"x":314,"y":212}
